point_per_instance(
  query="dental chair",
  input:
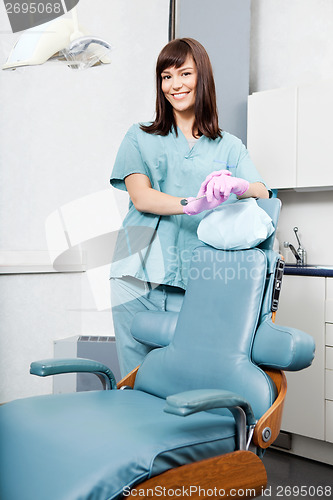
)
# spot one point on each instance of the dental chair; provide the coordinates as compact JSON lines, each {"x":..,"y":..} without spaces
{"x":193,"y":420}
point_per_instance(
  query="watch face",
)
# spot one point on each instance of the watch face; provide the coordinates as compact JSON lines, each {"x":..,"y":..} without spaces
{"x":183,"y":202}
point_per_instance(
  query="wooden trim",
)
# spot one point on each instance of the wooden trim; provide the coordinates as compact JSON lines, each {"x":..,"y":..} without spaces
{"x":129,"y":379}
{"x":273,"y":417}
{"x":234,"y":473}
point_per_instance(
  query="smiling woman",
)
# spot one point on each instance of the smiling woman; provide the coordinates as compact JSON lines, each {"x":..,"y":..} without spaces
{"x":185,"y":65}
{"x":179,"y":88}
{"x":160,"y":163}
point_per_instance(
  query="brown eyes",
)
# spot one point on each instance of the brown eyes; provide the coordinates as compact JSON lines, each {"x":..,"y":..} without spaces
{"x":167,"y":77}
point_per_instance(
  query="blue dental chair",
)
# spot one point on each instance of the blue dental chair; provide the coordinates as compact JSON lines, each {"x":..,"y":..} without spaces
{"x":194,"y":417}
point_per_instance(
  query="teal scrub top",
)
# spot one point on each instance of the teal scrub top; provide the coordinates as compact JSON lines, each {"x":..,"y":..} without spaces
{"x":157,"y":248}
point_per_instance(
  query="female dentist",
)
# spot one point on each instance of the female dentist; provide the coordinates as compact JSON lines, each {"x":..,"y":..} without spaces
{"x":165,"y":165}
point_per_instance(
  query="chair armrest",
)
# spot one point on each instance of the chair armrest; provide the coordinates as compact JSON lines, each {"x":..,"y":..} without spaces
{"x":46,"y":367}
{"x":282,"y":347}
{"x":154,"y":329}
{"x":186,"y":403}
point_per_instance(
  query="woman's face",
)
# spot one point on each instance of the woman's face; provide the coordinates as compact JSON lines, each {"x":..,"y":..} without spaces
{"x":179,"y":86}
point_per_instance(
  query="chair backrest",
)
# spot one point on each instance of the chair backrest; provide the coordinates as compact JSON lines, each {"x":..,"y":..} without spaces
{"x":272,"y":207}
{"x":215,"y":331}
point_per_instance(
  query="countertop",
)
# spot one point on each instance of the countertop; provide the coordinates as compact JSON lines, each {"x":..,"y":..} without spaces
{"x":324,"y":271}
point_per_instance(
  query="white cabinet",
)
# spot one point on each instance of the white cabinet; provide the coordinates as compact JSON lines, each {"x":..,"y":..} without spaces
{"x":271,"y":135}
{"x":329,"y":421}
{"x":329,"y":383}
{"x":290,"y":135}
{"x":329,"y":310}
{"x":314,"y":135}
{"x":329,"y":360}
{"x":302,"y":306}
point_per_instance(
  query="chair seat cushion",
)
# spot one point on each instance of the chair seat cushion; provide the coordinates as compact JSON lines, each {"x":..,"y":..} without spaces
{"x":99,"y":443}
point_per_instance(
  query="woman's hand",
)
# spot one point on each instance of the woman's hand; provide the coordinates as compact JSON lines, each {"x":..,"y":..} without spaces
{"x":221,"y":183}
{"x":195,"y":206}
{"x":217,"y":188}
{"x":216,"y":181}
{"x":210,"y":198}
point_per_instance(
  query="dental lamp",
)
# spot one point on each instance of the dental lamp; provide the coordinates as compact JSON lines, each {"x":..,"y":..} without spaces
{"x":59,"y":40}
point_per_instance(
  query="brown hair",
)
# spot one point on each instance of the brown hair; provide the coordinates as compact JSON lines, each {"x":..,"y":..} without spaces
{"x":174,"y":54}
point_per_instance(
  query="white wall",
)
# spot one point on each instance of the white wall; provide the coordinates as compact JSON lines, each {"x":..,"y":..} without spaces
{"x":60,"y":129}
{"x":292,"y":44}
{"x":59,"y":134}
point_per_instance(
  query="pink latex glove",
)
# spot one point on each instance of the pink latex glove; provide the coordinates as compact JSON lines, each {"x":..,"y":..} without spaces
{"x":216,"y":173}
{"x":195,"y":207}
{"x":220,"y":184}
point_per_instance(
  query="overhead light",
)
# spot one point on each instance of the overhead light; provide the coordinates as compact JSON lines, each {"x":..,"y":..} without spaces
{"x":62,"y":40}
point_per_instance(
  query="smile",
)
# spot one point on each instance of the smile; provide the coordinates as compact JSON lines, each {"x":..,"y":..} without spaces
{"x":180,"y":96}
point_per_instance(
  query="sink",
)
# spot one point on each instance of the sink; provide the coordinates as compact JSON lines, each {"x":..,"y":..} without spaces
{"x":308,"y":266}
{"x":322,"y":267}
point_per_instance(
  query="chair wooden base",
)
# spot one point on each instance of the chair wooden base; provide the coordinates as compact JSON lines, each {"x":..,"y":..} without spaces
{"x":273,"y":416}
{"x":128,"y":380}
{"x":240,"y":474}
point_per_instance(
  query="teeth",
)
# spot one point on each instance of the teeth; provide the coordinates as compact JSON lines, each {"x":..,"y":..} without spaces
{"x":180,"y":96}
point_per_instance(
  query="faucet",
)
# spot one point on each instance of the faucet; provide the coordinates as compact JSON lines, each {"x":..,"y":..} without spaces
{"x":300,"y":253}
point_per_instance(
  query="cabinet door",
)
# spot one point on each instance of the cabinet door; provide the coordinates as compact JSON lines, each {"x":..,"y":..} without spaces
{"x":271,"y":137}
{"x":329,"y":303}
{"x":302,"y":306}
{"x":315,"y":130}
